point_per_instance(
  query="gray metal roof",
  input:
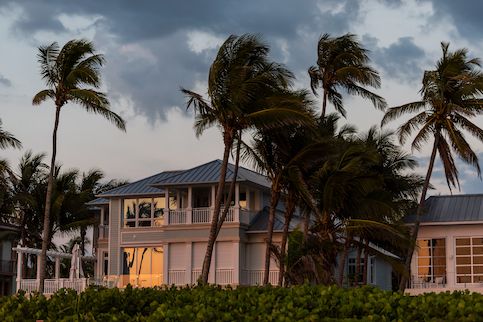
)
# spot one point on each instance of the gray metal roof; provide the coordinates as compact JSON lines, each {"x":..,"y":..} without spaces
{"x":98,"y":202}
{"x":456,"y":208}
{"x":260,"y":222}
{"x":140,"y":187}
{"x":210,"y":172}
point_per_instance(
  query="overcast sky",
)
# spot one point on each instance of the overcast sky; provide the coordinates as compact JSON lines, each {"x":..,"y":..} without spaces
{"x":155,"y":47}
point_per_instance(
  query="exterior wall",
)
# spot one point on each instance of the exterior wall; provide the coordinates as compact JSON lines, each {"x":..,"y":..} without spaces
{"x":449,"y":233}
{"x":383,"y":272}
{"x":114,"y":237}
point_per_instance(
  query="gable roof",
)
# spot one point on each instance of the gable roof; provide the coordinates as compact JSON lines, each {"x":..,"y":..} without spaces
{"x":140,"y":187}
{"x":98,"y":202}
{"x":456,"y":208}
{"x":210,"y":172}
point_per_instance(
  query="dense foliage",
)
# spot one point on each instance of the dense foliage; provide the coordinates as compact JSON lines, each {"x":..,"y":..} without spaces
{"x":300,"y":303}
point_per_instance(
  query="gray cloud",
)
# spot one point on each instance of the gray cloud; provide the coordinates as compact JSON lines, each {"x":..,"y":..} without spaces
{"x":466,"y":16}
{"x":402,"y":60}
{"x":5,"y":81}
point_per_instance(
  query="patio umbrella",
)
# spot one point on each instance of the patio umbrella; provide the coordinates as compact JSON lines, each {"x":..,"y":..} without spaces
{"x":76,"y":264}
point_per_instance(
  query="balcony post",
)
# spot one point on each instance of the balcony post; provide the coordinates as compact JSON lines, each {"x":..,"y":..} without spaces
{"x":212,"y":205}
{"x":236,"y":210}
{"x":236,"y":263}
{"x":101,"y":221}
{"x":19,"y":268}
{"x":189,"y":208}
{"x":166,"y":205}
{"x":189,"y":263}
{"x":165,"y":264}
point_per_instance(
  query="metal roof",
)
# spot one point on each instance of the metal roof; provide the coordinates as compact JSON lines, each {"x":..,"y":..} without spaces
{"x":210,"y":172}
{"x":260,"y":222}
{"x":140,"y":187}
{"x":98,"y":202}
{"x":456,"y":208}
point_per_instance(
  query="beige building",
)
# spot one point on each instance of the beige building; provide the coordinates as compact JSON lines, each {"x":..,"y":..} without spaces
{"x":154,"y":231}
{"x":449,"y":253}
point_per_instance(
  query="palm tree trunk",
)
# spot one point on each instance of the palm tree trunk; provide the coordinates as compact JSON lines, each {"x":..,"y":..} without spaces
{"x":358,"y":266}
{"x":289,"y":210}
{"x":48,"y":197}
{"x":83,"y":233}
{"x":366,"y":259}
{"x":228,"y":141}
{"x":306,"y":224}
{"x":343,"y":259}
{"x":324,"y":104}
{"x":275,"y":196}
{"x":419,"y":212}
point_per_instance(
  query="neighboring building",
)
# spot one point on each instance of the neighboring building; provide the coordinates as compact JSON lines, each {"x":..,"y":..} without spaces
{"x":449,"y":253}
{"x":8,"y":238}
{"x":144,"y":240}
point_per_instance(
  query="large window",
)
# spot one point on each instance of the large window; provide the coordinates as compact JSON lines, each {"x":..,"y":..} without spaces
{"x":431,"y":259}
{"x":143,"y":266}
{"x":469,"y":260}
{"x":143,"y":212}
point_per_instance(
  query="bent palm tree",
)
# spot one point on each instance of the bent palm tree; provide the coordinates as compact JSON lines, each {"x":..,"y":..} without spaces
{"x":72,"y":76}
{"x":451,"y":94}
{"x":246,"y":90}
{"x":343,"y":63}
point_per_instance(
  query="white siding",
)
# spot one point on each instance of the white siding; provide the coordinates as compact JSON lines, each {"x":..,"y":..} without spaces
{"x":224,"y":255}
{"x":199,"y":250}
{"x":177,"y":256}
{"x":114,"y":242}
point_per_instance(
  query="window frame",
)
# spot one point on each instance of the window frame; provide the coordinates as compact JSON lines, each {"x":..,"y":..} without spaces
{"x":152,"y":220}
{"x":431,"y":276}
{"x":472,"y":265}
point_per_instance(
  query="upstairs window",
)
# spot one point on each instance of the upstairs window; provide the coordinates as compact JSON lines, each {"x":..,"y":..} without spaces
{"x":143,"y":212}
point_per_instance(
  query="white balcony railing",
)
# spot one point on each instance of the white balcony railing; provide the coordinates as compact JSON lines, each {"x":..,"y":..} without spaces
{"x":53,"y":285}
{"x":224,"y":276}
{"x":205,"y":215}
{"x":255,"y":277}
{"x":177,"y":277}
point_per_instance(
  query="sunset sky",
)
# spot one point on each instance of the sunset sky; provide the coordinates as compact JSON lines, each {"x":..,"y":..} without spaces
{"x":153,"y":48}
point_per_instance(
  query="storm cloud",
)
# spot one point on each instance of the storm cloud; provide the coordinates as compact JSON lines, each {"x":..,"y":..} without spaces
{"x":5,"y":81}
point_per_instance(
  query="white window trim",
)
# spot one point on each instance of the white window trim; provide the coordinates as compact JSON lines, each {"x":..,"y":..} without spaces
{"x":136,"y":220}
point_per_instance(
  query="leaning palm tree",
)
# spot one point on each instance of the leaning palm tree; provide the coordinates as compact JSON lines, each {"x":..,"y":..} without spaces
{"x":72,"y":76}
{"x":342,"y":63}
{"x":245,"y":90}
{"x":451,"y":94}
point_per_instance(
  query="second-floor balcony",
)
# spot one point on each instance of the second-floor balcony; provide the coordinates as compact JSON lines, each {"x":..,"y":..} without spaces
{"x":205,"y":216}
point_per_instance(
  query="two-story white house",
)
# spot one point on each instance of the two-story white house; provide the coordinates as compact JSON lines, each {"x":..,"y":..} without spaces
{"x":154,"y":231}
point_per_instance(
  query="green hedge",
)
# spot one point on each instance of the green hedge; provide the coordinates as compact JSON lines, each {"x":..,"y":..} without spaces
{"x":300,"y":303}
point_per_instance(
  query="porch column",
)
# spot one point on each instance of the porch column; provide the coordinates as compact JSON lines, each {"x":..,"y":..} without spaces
{"x":236,"y":263}
{"x":189,"y":262}
{"x":19,"y":268}
{"x":212,"y":272}
{"x":57,"y":267}
{"x":101,"y":223}
{"x":166,"y":205}
{"x":166,"y":264}
{"x":39,"y":262}
{"x":212,"y":205}
{"x":189,"y":206}
{"x":236,"y":210}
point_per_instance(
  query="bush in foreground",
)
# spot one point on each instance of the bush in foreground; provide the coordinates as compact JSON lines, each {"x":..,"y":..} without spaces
{"x":300,"y":303}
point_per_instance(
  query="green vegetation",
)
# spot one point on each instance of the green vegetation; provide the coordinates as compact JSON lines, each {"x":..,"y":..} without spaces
{"x":299,"y":303}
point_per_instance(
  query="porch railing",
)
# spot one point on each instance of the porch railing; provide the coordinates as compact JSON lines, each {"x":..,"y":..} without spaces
{"x":205,"y":215}
{"x":53,"y":285}
{"x":255,"y":277}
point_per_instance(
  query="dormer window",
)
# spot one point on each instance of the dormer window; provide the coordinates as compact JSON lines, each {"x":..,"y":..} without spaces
{"x":143,"y":212}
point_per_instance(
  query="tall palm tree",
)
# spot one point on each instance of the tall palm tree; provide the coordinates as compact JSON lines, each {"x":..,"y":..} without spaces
{"x":245,"y":90}
{"x":342,"y":63}
{"x":72,"y":75}
{"x":451,"y":94}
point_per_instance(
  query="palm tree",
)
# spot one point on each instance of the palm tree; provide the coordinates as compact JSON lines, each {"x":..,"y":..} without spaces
{"x":72,"y":76}
{"x":450,"y":96}
{"x":8,"y":140}
{"x":245,"y":90}
{"x":342,"y":63}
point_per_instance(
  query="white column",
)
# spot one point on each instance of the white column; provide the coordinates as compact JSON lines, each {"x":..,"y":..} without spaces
{"x":189,"y":262}
{"x":236,"y":210}
{"x":38,"y":266}
{"x":101,"y":223}
{"x":166,"y":264}
{"x":178,"y":200}
{"x":57,"y":267}
{"x":19,"y":268}
{"x":212,"y":205}
{"x":236,"y":263}
{"x":166,"y":206}
{"x":189,"y":206}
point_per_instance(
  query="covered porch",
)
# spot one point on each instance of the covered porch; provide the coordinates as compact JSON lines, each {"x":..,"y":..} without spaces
{"x":51,"y":285}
